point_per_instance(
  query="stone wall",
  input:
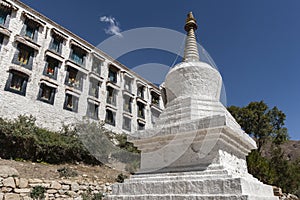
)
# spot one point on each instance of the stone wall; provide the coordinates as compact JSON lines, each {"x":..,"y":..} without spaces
{"x":13,"y":187}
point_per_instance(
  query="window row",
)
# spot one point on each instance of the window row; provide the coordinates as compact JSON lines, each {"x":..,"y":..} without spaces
{"x":110,"y":118}
{"x":78,"y":54}
{"x":17,"y":83}
{"x":74,"y":78}
{"x":30,"y":30}
{"x":25,"y":54}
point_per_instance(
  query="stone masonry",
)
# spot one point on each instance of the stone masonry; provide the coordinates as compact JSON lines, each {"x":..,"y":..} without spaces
{"x":13,"y":187}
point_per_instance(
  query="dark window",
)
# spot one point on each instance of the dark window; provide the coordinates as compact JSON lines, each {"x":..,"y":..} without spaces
{"x":78,"y":55}
{"x":46,"y":94}
{"x":4,"y":15}
{"x":111,"y":96}
{"x":16,"y":83}
{"x":127,"y":84}
{"x":154,"y":115}
{"x":127,"y":123}
{"x":127,"y":103}
{"x":141,"y":110}
{"x":112,"y":75}
{"x":92,"y":110}
{"x":140,"y":91}
{"x":30,"y":29}
{"x":154,"y":98}
{"x":141,"y":126}
{"x":96,"y":67}
{"x":56,"y":44}
{"x":74,"y":78}
{"x":30,"y":32}
{"x":1,"y":40}
{"x":71,"y":103}
{"x":94,"y":88}
{"x":23,"y":56}
{"x":51,"y":67}
{"x":110,"y":117}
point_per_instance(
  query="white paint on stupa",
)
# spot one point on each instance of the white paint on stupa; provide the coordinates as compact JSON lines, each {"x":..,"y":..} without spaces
{"x":196,"y":150}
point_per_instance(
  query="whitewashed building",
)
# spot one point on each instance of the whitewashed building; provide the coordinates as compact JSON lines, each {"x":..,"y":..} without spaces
{"x":54,"y":75}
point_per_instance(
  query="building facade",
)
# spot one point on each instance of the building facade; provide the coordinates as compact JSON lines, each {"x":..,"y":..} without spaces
{"x":50,"y":73}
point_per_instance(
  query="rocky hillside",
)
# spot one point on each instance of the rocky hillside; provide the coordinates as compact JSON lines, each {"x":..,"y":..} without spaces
{"x":290,"y":148}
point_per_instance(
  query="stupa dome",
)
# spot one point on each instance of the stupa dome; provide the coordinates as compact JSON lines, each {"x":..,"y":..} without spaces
{"x":196,"y":76}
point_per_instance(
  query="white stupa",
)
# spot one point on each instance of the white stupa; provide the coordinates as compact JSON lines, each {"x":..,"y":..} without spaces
{"x":196,"y":150}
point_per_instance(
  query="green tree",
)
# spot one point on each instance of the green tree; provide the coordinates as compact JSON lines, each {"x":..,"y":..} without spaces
{"x":261,"y":122}
{"x":260,"y":167}
{"x":266,"y":126}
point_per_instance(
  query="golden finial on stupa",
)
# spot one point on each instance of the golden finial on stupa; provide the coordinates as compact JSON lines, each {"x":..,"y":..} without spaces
{"x":190,"y":22}
{"x":191,"y":49}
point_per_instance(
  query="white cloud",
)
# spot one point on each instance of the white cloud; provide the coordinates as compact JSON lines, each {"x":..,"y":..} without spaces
{"x":113,"y":28}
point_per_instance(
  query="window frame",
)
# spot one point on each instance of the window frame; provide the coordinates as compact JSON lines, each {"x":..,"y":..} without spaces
{"x":75,"y":101}
{"x":16,"y":59}
{"x":141,"y":91}
{"x":79,"y":75}
{"x":30,"y":24}
{"x":128,"y":82}
{"x":97,"y":66}
{"x":74,"y":51}
{"x":143,"y":113}
{"x":60,"y":43}
{"x":52,"y":94}
{"x":114,"y":93}
{"x":25,"y":78}
{"x":92,"y":114}
{"x":130,"y":100}
{"x":112,"y":79}
{"x":1,"y":40}
{"x":154,"y":115}
{"x":155,"y":99}
{"x":113,"y":114}
{"x":94,"y":82}
{"x":56,"y":67}
{"x":124,"y":123}
{"x":7,"y":15}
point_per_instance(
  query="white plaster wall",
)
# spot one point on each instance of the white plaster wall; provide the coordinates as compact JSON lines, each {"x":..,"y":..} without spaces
{"x":53,"y":116}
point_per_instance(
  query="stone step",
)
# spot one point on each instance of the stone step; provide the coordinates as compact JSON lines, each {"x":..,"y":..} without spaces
{"x":189,"y":197}
{"x":217,"y":170}
{"x":203,"y":177}
{"x":189,"y":185}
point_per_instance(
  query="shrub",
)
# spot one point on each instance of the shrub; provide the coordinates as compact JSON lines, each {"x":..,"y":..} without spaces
{"x":121,"y":177}
{"x":37,"y":193}
{"x":86,"y":142}
{"x":67,"y":172}
{"x":89,"y":196}
{"x":40,"y":145}
{"x":124,"y":144}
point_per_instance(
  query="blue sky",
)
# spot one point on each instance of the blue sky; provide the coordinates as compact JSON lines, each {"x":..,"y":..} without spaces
{"x":255,"y":44}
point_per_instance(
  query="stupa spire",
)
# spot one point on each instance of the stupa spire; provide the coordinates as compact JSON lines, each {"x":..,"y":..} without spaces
{"x":191,"y":49}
